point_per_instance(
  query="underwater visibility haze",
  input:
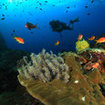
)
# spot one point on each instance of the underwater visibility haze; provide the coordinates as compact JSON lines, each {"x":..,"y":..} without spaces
{"x":52,"y":52}
{"x":16,"y":13}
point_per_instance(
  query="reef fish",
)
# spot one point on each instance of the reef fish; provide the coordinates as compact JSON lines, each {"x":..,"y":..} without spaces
{"x":80,"y":37}
{"x":92,"y":1}
{"x":2,"y":18}
{"x":86,"y":6}
{"x":30,"y":26}
{"x":92,"y":38}
{"x":3,"y":15}
{"x":95,"y":65}
{"x":57,"y":43}
{"x":101,"y":40}
{"x":19,"y":39}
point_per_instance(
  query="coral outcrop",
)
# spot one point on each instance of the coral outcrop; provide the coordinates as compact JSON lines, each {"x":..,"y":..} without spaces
{"x":94,"y":59}
{"x":81,"y":89}
{"x":44,"y":67}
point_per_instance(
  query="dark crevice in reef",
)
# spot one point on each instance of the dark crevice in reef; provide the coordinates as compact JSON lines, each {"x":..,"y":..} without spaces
{"x":102,"y":86}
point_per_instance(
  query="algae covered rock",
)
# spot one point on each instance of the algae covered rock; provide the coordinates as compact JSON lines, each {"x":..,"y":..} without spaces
{"x":74,"y":88}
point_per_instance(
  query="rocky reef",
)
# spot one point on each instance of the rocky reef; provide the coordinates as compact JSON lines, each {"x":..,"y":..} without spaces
{"x":65,"y":79}
{"x":11,"y":93}
{"x":83,"y":86}
{"x":8,"y":69}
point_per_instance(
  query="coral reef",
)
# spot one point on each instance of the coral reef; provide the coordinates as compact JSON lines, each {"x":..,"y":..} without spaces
{"x":44,"y":67}
{"x":81,"y":45}
{"x":93,"y":63}
{"x":94,"y":59}
{"x":81,"y":89}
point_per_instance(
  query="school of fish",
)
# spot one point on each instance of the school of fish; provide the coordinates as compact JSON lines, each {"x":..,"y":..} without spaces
{"x":80,"y":37}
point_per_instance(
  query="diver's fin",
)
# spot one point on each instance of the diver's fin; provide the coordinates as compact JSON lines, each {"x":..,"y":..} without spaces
{"x":61,"y":38}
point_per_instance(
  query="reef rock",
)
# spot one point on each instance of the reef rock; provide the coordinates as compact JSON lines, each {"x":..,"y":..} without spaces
{"x":79,"y":89}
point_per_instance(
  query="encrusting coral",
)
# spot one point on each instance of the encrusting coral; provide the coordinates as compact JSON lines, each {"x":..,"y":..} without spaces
{"x":79,"y":89}
{"x":81,"y":45}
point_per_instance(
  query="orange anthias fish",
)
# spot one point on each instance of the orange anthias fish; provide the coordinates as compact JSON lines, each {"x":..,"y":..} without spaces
{"x":57,"y":43}
{"x":19,"y":39}
{"x":80,"y":37}
{"x":101,"y":40}
{"x":95,"y":65}
{"x":30,"y":26}
{"x":92,"y":38}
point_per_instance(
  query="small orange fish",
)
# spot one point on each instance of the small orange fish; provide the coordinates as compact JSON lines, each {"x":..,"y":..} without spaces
{"x":57,"y":43}
{"x":19,"y":39}
{"x":92,"y":38}
{"x":101,"y":40}
{"x":80,"y":37}
{"x":95,"y":65}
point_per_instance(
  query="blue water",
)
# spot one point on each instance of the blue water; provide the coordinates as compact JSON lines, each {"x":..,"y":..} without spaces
{"x":19,"y":12}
